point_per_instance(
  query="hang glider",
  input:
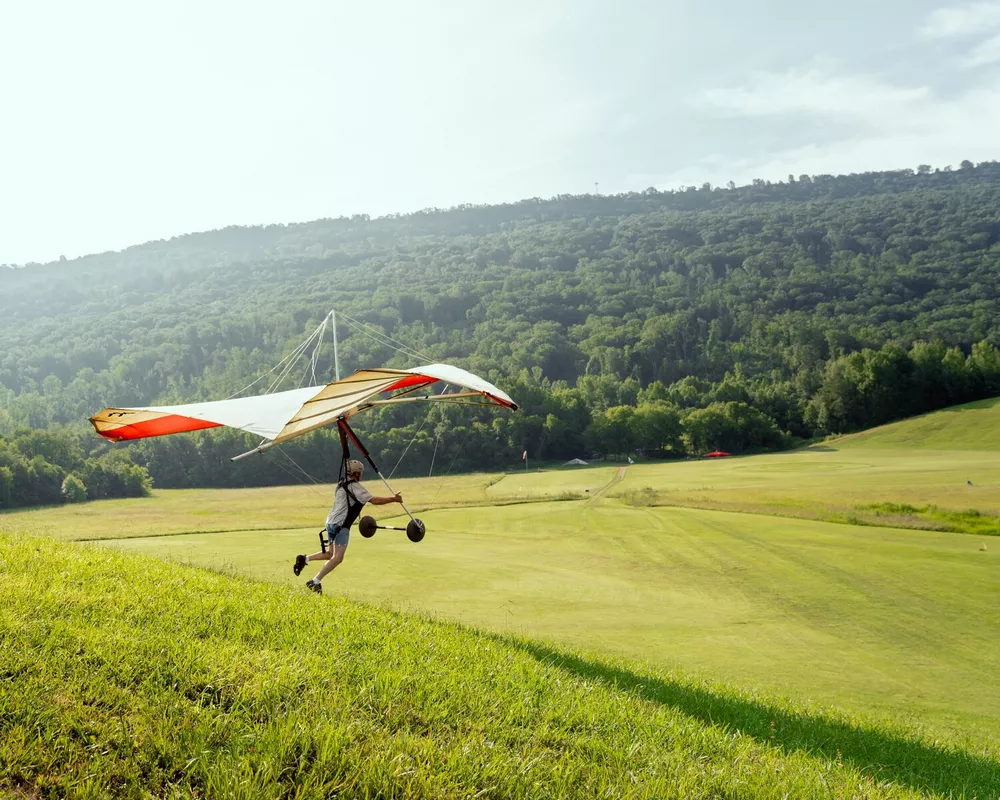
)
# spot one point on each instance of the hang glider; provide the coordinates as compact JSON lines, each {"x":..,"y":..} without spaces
{"x":282,"y":416}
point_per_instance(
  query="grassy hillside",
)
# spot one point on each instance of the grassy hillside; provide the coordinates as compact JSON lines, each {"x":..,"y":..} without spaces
{"x":772,"y":601}
{"x":616,"y":627}
{"x":138,"y":678}
{"x":857,"y":486}
{"x":973,"y":426}
{"x":940,"y":471}
{"x":791,"y":605}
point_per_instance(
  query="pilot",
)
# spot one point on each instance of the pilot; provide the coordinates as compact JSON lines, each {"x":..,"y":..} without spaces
{"x":348,"y":499}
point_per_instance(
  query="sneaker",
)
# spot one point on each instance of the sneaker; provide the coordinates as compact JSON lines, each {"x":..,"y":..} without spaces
{"x":314,"y":586}
{"x":299,"y":565}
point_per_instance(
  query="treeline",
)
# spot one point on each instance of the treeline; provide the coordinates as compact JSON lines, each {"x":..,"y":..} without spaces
{"x":47,"y":467}
{"x":601,"y":418}
{"x":771,"y":278}
{"x":822,"y":304}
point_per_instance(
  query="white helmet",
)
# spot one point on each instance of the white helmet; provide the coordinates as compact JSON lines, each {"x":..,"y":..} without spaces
{"x":354,"y":467}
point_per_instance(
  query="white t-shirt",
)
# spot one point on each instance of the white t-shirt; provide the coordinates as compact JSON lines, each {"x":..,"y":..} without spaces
{"x":339,"y":511}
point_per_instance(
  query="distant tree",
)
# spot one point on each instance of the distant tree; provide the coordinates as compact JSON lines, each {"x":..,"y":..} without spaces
{"x":984,"y":369}
{"x":73,"y":490}
{"x":114,"y":475}
{"x":733,"y":427}
{"x":656,"y":428}
{"x":611,"y":432}
{"x":6,"y":487}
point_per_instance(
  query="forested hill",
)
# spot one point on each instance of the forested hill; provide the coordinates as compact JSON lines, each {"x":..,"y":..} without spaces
{"x":820,"y":304}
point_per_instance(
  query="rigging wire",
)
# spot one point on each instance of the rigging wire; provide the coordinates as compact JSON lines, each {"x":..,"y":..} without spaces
{"x":313,"y":486}
{"x":269,"y":372}
{"x":282,"y":365}
{"x":318,"y":348}
{"x":315,"y":339}
{"x":298,"y":353}
{"x":377,"y":332}
{"x":384,"y":339}
{"x":429,"y":412}
{"x":295,"y":478}
{"x":305,"y":374}
{"x":437,"y":441}
{"x":389,"y":343}
{"x":458,"y":452}
{"x":299,"y":467}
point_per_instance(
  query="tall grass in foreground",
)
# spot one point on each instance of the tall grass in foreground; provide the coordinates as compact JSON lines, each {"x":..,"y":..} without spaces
{"x":137,"y":678}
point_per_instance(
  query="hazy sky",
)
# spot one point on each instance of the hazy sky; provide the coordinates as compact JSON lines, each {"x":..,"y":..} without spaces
{"x":124,"y":122}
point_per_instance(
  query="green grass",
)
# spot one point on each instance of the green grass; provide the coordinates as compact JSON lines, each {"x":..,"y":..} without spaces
{"x":182,"y":511}
{"x":793,"y":606}
{"x":971,"y":521}
{"x":697,"y":628}
{"x":830,"y":482}
{"x":570,"y":483}
{"x":926,"y":462}
{"x":973,"y":426}
{"x":140,"y":678}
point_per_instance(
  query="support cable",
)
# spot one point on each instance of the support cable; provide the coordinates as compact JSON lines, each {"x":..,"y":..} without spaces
{"x":385,"y":339}
{"x":458,"y":452}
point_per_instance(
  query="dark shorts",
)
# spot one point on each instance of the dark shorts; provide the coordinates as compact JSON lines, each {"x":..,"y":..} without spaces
{"x":337,"y":535}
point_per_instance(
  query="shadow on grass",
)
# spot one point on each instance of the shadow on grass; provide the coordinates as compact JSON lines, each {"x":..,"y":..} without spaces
{"x":883,"y":755}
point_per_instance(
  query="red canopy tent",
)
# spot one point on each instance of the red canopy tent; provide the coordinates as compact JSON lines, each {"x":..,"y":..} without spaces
{"x":716,"y":454}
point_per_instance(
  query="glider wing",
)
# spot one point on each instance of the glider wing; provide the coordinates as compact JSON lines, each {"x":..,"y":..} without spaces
{"x":284,"y":415}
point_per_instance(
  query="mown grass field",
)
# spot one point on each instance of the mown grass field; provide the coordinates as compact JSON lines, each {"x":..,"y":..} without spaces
{"x":907,"y":474}
{"x":927,"y":490}
{"x":182,"y":511}
{"x":653,"y":585}
{"x":896,"y":621}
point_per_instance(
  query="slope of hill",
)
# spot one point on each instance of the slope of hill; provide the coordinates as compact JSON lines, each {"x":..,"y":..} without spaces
{"x":136,"y":678}
{"x":703,"y":280}
{"x":808,"y":301}
{"x":939,"y":472}
{"x":972,"y":426}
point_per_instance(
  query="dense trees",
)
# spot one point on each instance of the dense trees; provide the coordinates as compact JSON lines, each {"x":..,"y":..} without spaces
{"x":732,"y":426}
{"x":665,"y":322}
{"x":48,"y":467}
{"x":872,"y":387}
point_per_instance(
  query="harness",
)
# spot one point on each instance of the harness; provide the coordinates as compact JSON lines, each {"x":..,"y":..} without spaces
{"x":353,"y":505}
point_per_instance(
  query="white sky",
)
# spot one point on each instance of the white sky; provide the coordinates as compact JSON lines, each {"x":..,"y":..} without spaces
{"x":122,"y":122}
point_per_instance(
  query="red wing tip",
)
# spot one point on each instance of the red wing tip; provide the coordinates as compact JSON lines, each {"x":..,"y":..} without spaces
{"x":157,"y":426}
